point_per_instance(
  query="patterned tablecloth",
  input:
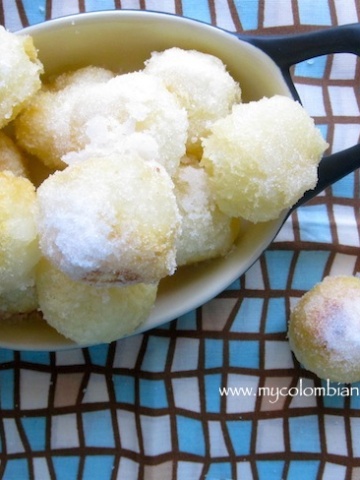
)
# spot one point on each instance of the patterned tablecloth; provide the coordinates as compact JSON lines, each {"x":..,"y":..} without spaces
{"x":187,"y":400}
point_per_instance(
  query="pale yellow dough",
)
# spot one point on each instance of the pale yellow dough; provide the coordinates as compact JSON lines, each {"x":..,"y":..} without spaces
{"x":87,"y":314}
{"x":19,"y":250}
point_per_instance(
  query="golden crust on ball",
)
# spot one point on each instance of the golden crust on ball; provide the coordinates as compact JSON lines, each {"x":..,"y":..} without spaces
{"x":19,"y":72}
{"x":206,"y":232}
{"x":90,"y":314}
{"x":324,"y":329}
{"x":19,"y":251}
{"x":262,"y":158}
{"x":11,"y":157}
{"x":110,"y":220}
{"x":201,"y":84}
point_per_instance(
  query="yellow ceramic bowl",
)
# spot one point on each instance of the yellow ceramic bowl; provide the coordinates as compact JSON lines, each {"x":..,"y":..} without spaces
{"x":124,"y":40}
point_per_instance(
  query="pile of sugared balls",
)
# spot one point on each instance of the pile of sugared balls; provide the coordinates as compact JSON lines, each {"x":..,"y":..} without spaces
{"x":145,"y":172}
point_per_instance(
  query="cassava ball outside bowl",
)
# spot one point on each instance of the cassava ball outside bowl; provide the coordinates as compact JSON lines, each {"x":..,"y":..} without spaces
{"x":122,"y":40}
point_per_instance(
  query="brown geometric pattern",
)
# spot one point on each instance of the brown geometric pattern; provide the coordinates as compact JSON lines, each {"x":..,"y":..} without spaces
{"x":215,"y":394}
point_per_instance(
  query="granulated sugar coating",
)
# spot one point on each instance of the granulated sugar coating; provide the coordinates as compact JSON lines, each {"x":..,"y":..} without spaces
{"x":91,"y":314}
{"x":19,"y":74}
{"x":19,"y":244}
{"x":324,"y":329}
{"x":91,"y":111}
{"x":111,"y":220}
{"x":262,"y":158}
{"x":206,"y":232}
{"x":201,"y":84}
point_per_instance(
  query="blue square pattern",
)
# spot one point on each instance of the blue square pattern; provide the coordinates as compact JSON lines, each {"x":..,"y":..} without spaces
{"x":240,"y":435}
{"x":213,"y":383}
{"x":309,"y":269}
{"x":332,"y":399}
{"x":304,"y":434}
{"x":191,"y":435}
{"x":244,"y":353}
{"x":66,"y":467}
{"x":345,"y":187}
{"x":7,"y":394}
{"x":276,"y":318}
{"x":219,"y":470}
{"x":155,"y":354}
{"x":187,"y":321}
{"x":248,"y":318}
{"x":303,"y":469}
{"x":35,"y":15}
{"x":317,"y":13}
{"x":99,"y":354}
{"x":99,"y":467}
{"x":95,"y":422}
{"x":153,"y":393}
{"x":42,"y":358}
{"x":314,"y":224}
{"x":35,"y":429}
{"x":94,"y":5}
{"x":278,"y":267}
{"x":6,"y":356}
{"x":124,"y":387}
{"x":248,"y":11}
{"x":198,"y":10}
{"x":213,"y":353}
{"x":270,"y":469}
{"x":16,"y":469}
{"x":313,"y":68}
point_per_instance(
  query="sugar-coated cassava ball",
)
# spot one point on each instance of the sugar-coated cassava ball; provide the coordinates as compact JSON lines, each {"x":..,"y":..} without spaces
{"x":19,"y":251}
{"x":127,"y":112}
{"x":324,"y":329}
{"x":11,"y":157}
{"x":90,"y":314}
{"x":262,"y":158}
{"x":133,"y":112}
{"x":44,"y":128}
{"x":110,"y":220}
{"x":206,"y":232}
{"x":200,"y":82}
{"x":20,"y":72}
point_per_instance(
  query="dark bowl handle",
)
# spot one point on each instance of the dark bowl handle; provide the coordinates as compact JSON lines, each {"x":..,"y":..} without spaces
{"x":286,"y":51}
